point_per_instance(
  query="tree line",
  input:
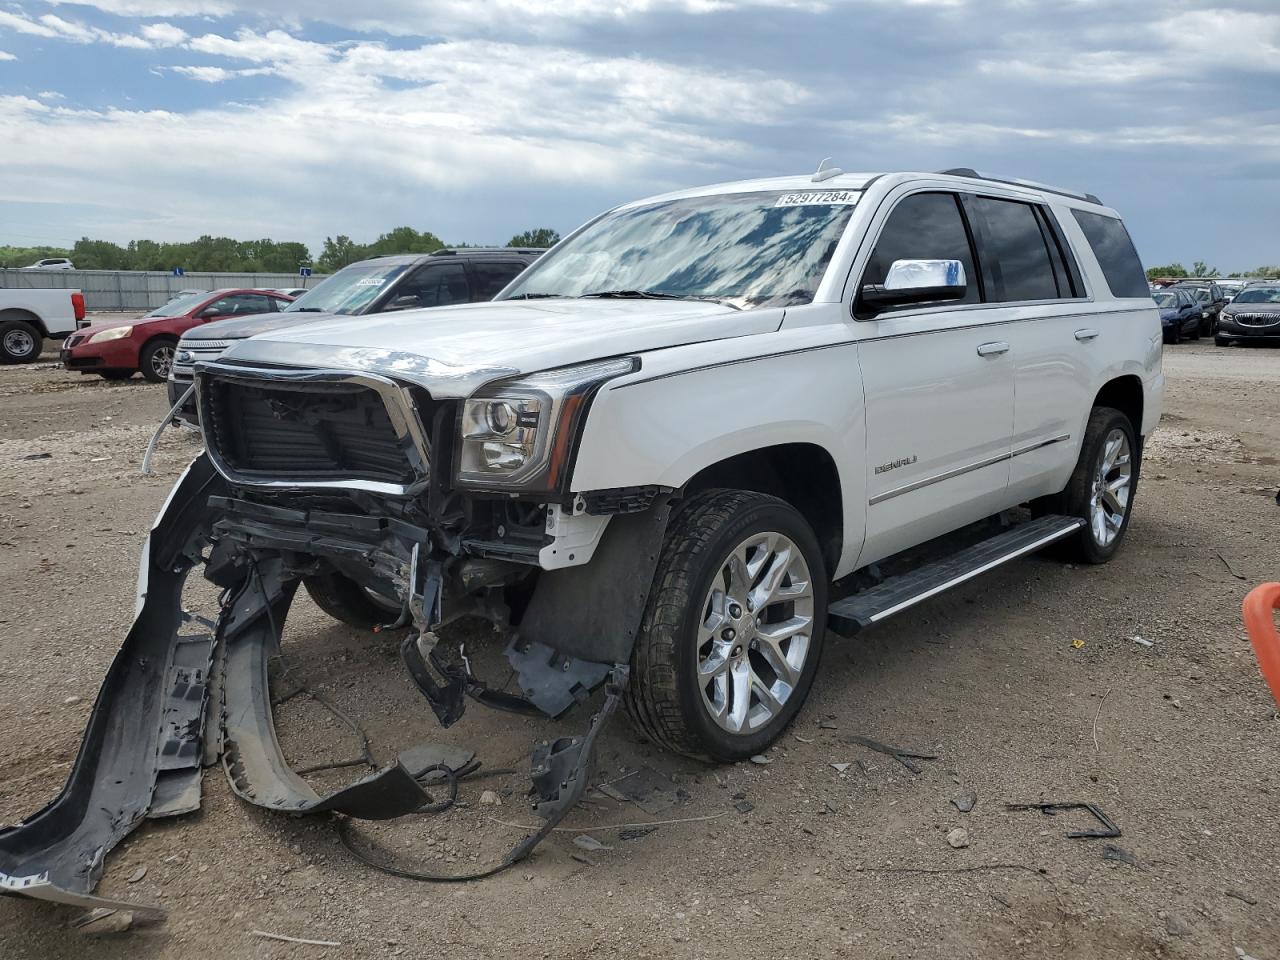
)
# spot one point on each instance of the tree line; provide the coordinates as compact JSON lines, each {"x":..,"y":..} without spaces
{"x":210,"y":254}
{"x":1201,"y":269}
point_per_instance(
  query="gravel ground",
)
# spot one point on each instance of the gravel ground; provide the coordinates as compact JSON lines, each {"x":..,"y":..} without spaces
{"x":1178,"y":742}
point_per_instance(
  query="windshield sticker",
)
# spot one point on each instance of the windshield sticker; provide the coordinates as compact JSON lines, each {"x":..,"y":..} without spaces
{"x":819,"y":197}
{"x":371,"y":282}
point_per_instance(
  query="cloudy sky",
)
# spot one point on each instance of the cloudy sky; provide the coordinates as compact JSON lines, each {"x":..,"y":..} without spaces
{"x":479,"y":118}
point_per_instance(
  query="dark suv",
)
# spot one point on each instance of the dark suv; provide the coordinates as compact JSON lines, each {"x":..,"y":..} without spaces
{"x":398,"y":282}
{"x":1211,"y":297}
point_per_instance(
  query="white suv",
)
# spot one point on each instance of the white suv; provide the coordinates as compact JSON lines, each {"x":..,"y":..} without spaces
{"x":654,"y":453}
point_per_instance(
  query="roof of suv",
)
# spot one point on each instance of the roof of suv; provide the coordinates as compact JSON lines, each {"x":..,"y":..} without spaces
{"x":466,"y":252}
{"x":838,"y":180}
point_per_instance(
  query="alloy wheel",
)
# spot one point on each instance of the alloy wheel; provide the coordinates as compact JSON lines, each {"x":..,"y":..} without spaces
{"x":1112,"y":485}
{"x":162,"y":361}
{"x":754,"y":635}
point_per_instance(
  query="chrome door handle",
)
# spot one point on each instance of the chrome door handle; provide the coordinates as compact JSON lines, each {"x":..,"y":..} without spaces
{"x":1086,"y":334}
{"x":992,"y":349}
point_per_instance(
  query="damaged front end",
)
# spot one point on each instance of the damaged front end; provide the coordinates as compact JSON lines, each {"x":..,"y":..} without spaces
{"x":347,"y":484}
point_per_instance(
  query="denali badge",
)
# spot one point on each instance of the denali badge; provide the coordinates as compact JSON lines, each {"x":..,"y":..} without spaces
{"x":895,"y":464}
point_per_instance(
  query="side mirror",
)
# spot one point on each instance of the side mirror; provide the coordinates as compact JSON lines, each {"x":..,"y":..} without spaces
{"x":915,"y":281}
{"x":208,"y":312}
{"x":407,"y":301}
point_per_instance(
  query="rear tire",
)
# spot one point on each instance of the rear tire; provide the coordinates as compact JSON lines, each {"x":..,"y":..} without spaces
{"x":1102,"y":488}
{"x":20,"y":342}
{"x":723,"y":662}
{"x":347,"y":601}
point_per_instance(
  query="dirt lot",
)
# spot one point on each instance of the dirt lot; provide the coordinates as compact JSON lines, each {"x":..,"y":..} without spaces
{"x":1178,"y":742}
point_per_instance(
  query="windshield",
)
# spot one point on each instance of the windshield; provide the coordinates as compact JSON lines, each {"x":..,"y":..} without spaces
{"x":1258,"y":295}
{"x":748,"y":249}
{"x":178,"y":305}
{"x":350,"y":290}
{"x":1166,"y":299}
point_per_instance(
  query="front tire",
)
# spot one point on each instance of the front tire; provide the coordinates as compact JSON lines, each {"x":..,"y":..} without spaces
{"x":733,"y":631}
{"x":156,"y":359}
{"x":347,"y":601}
{"x":1102,"y":487}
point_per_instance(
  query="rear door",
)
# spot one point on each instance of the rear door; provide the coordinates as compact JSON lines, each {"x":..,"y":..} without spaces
{"x":1053,"y":335}
{"x":938,"y":384}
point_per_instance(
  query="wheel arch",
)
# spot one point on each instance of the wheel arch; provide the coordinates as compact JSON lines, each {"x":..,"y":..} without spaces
{"x":26,"y":316}
{"x":803,"y":474}
{"x":1124,"y":393}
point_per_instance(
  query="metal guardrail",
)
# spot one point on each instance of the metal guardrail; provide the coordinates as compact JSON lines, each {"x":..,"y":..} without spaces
{"x":138,"y":290}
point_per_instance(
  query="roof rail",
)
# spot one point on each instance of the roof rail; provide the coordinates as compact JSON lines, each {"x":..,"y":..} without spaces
{"x":1013,"y":181}
{"x":455,"y":251}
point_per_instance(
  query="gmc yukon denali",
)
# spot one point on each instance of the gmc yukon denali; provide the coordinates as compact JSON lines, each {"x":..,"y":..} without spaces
{"x":702,"y":431}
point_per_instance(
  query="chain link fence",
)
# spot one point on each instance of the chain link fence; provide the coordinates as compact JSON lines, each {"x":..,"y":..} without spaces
{"x":139,"y":291}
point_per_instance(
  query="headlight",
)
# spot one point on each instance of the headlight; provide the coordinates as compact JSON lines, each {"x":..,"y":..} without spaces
{"x":519,"y":435}
{"x":114,"y":333}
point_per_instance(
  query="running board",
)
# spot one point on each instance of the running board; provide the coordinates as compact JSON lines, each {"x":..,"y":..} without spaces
{"x":896,"y":594}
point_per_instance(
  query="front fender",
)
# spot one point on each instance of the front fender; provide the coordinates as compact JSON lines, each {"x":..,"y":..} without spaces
{"x":664,"y":428}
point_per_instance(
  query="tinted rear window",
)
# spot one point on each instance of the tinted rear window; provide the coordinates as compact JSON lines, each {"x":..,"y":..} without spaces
{"x":1016,"y":251}
{"x":1116,"y":255}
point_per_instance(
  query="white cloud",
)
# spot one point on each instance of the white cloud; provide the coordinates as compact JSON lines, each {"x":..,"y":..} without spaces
{"x":5,"y":55}
{"x":363,"y":119}
{"x":218,"y":74}
{"x":54,"y":27}
{"x":21,"y":24}
{"x":1178,"y":47}
{"x":163,"y":34}
{"x":540,"y":18}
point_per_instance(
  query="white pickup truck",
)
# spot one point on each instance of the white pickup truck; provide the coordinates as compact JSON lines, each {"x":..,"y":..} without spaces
{"x":27,"y":317}
{"x":659,"y":446}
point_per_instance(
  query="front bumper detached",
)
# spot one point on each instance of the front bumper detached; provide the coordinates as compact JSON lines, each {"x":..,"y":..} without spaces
{"x":183,"y":692}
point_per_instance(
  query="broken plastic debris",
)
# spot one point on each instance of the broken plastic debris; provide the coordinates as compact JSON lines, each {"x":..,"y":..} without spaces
{"x":585,"y":842}
{"x":840,"y":767}
{"x":1077,"y":643}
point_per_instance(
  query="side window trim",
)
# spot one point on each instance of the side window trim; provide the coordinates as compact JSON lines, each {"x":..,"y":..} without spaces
{"x":1075,"y":280}
{"x":990,"y":280}
{"x":969,"y":229}
{"x":1056,"y":247}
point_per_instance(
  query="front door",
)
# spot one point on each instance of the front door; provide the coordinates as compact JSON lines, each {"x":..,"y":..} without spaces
{"x":938,"y":384}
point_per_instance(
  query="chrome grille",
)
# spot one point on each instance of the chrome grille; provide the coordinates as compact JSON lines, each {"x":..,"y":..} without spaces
{"x":1255,"y":319}
{"x":200,"y":350}
{"x":320,"y":429}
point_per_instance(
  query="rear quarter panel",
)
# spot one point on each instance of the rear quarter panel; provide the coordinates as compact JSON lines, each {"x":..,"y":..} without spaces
{"x":52,"y":307}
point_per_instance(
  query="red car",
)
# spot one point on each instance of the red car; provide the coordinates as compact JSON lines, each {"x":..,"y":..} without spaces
{"x":116,"y":350}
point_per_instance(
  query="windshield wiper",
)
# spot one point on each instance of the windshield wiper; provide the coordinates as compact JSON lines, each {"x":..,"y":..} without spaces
{"x":535,"y":296}
{"x":303,"y":310}
{"x":653,"y":295}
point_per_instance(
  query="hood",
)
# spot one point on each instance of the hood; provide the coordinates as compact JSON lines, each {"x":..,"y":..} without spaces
{"x":109,"y":324}
{"x":453,"y":351}
{"x":1235,"y":308}
{"x":237,"y":328}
